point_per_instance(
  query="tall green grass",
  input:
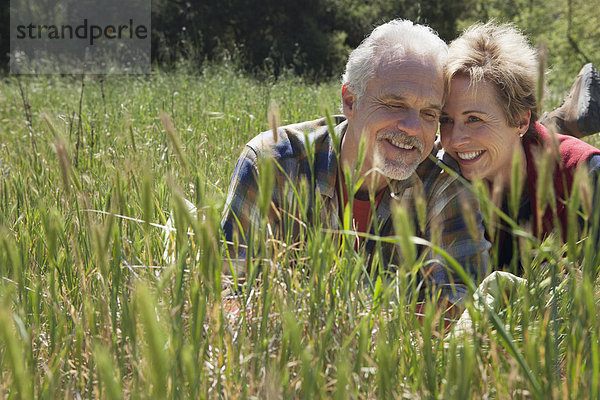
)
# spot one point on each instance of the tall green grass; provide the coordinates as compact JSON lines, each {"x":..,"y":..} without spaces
{"x":99,"y":297}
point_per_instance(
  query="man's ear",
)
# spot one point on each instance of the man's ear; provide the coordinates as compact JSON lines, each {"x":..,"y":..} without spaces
{"x":348,"y":101}
{"x":524,"y":122}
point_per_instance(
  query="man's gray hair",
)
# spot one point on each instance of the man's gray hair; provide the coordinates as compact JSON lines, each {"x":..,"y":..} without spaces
{"x":399,"y":36}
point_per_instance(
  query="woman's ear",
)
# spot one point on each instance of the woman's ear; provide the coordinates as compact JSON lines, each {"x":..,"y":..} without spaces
{"x":524,"y":123}
{"x":348,"y":101}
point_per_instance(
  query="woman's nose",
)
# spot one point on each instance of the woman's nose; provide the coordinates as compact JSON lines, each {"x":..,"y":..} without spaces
{"x":458,"y":135}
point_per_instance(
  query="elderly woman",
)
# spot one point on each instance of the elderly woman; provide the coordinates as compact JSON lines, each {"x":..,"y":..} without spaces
{"x":490,"y":117}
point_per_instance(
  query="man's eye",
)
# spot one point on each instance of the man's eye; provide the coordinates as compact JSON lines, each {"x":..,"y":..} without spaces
{"x":430,"y":115}
{"x":396,"y":106}
{"x":473,"y":118}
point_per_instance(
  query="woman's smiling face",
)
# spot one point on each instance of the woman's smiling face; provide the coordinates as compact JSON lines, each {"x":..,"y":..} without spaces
{"x":474,"y":130}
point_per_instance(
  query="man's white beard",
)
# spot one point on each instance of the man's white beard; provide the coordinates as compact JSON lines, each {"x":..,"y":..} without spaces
{"x":394,"y":169}
{"x":397,"y":169}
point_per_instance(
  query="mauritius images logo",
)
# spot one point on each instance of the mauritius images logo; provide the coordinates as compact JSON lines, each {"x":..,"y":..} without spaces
{"x":83,"y":36}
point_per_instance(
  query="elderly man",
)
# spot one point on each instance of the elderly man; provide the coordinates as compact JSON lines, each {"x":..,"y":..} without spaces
{"x":392,"y":95}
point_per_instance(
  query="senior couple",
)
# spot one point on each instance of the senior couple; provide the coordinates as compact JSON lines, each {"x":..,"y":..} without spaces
{"x":399,"y":86}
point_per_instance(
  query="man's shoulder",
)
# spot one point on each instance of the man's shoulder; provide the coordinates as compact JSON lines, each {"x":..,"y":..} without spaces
{"x":291,"y":140}
{"x":445,"y":190}
{"x":437,"y":175}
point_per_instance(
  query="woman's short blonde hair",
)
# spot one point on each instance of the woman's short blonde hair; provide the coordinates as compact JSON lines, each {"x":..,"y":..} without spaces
{"x":501,"y":55}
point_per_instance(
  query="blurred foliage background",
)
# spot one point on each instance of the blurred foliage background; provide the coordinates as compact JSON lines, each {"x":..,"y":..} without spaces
{"x":313,"y":37}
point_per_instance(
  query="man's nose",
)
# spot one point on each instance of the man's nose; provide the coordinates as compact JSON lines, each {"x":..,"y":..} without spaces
{"x":410,"y":122}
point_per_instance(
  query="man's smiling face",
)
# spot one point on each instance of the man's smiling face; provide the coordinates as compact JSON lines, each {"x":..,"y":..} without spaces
{"x":397,"y":115}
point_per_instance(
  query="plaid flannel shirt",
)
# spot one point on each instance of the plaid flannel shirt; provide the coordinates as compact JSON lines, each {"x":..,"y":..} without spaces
{"x":447,"y":201}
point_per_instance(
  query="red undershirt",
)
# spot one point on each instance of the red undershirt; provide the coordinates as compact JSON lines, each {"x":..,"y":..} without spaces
{"x":361,"y":217}
{"x":361,"y":210}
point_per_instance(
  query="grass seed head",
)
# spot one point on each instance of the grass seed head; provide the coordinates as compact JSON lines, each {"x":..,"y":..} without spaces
{"x":274,"y":118}
{"x":64,"y":162}
{"x":174,"y":139}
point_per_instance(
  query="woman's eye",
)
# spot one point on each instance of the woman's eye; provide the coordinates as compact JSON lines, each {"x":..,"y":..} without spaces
{"x":445,"y":120}
{"x":473,"y":118}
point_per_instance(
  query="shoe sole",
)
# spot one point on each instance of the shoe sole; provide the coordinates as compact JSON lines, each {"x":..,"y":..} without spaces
{"x":588,"y":104}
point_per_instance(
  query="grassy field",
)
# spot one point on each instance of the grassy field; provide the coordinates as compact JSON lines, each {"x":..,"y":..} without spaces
{"x":98,"y":298}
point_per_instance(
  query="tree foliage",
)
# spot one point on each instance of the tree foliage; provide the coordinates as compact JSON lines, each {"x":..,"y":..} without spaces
{"x":314,"y":37}
{"x":311,"y":36}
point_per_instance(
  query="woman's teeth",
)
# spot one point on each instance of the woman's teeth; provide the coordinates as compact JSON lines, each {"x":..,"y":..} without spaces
{"x":470,"y":155}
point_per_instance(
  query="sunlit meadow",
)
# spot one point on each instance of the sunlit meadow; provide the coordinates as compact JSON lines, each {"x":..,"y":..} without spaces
{"x":110,"y":287}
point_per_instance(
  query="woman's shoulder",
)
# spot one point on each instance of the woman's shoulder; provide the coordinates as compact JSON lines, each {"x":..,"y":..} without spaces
{"x":572,"y":151}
